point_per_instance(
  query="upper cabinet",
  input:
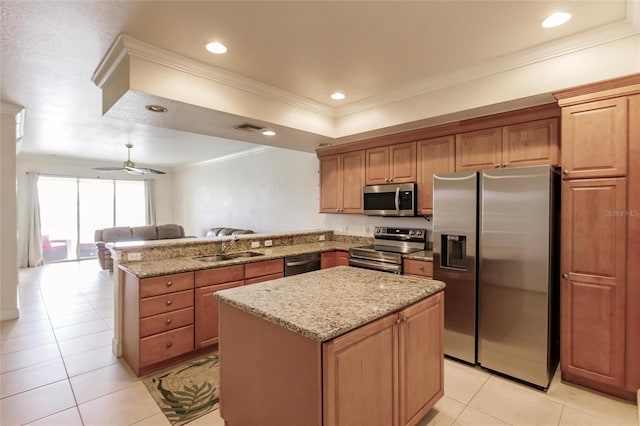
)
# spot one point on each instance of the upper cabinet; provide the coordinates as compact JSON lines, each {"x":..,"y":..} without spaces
{"x":435,"y":155}
{"x":341,"y":182}
{"x":479,"y":150}
{"x":391,"y":164}
{"x":594,"y":139}
{"x":523,"y":144}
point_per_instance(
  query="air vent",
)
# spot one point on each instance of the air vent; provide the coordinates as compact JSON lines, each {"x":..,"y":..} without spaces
{"x":246,"y":127}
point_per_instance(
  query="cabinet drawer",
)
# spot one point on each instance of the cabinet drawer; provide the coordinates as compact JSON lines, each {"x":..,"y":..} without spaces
{"x":418,"y":267}
{"x":257,"y":269}
{"x":222,"y":275}
{"x":165,"y":303}
{"x":165,"y":322}
{"x":342,"y":258}
{"x":269,"y":277}
{"x":169,"y":344}
{"x":165,"y":284}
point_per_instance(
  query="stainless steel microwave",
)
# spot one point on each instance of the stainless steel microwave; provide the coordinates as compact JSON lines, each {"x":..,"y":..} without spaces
{"x":389,"y":200}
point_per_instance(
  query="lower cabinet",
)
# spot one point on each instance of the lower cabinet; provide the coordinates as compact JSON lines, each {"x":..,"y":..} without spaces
{"x":593,"y":282}
{"x":267,"y":270}
{"x":329,"y":259}
{"x":389,"y":372}
{"x":158,"y":314}
{"x":206,"y":305}
{"x":398,"y":378}
{"x":419,"y":268}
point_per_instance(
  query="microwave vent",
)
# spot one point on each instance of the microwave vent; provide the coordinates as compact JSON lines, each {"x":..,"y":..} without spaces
{"x":246,"y":127}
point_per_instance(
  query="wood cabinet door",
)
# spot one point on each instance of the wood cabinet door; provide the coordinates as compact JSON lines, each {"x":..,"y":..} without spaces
{"x":327,"y":259}
{"x":532,"y":143}
{"x":418,"y":268}
{"x":481,"y":149}
{"x":435,"y":155}
{"x":330,"y":184}
{"x":593,"y":281}
{"x":206,"y":313}
{"x":421,"y":364}
{"x":594,"y":139}
{"x":402,"y":167}
{"x":353,"y":176}
{"x":377,"y":166}
{"x":342,"y":258}
{"x":360,"y":376}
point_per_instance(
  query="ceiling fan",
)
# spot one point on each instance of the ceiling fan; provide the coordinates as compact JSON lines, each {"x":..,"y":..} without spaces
{"x":129,"y":166}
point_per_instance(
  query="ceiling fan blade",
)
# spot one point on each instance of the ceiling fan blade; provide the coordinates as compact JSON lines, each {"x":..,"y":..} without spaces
{"x":134,"y":170}
{"x":108,"y":169}
{"x":152,"y":171}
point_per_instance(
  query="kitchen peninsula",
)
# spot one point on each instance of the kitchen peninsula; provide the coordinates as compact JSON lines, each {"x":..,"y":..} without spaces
{"x":336,"y":346}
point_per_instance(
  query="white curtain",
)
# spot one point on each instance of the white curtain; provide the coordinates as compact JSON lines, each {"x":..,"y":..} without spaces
{"x":150,"y":201}
{"x":34,"y":237}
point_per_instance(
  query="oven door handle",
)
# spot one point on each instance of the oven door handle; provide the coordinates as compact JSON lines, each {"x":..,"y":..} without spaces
{"x":397,"y":199}
{"x":379,"y":266}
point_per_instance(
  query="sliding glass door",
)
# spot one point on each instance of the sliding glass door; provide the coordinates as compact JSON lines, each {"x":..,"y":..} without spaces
{"x":72,"y":209}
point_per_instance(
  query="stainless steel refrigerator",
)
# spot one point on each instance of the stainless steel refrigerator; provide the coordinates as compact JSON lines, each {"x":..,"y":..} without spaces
{"x":496,"y":246}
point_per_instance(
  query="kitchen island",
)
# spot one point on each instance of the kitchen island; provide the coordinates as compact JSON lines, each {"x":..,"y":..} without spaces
{"x":336,"y":346}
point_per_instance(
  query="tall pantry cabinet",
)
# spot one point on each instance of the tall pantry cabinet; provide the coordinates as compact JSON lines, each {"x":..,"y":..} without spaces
{"x":600,"y":287}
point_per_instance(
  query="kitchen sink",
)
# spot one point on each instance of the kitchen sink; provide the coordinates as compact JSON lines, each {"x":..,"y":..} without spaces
{"x":228,"y":256}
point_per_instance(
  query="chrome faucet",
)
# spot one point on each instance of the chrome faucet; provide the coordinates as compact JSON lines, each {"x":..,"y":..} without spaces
{"x":228,"y":243}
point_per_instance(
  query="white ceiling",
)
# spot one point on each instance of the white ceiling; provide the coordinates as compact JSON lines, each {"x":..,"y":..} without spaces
{"x":50,"y":50}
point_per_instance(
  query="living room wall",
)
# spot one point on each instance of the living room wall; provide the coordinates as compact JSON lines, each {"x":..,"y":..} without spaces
{"x":76,"y":168}
{"x":265,"y":189}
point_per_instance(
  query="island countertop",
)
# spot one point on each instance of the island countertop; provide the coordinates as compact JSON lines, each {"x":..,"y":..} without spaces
{"x":327,"y":303}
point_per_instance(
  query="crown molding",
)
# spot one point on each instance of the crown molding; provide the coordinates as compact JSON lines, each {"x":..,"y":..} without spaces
{"x":564,"y":46}
{"x":125,"y":45}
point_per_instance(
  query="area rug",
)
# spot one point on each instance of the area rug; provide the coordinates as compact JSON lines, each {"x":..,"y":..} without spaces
{"x":186,"y":391}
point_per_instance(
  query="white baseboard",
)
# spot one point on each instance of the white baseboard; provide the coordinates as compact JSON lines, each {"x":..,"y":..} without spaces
{"x":116,"y":348}
{"x":9,"y":314}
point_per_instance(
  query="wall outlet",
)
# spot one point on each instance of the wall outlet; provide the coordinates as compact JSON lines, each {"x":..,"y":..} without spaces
{"x":255,"y":244}
{"x":268,"y":243}
{"x":321,"y":238}
{"x":134,"y":256}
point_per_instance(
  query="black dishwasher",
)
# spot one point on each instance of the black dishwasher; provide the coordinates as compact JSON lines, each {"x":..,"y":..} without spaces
{"x":299,"y":264}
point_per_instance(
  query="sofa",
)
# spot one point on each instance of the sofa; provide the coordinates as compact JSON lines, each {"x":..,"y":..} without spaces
{"x":127,"y":233}
{"x":220,"y":232}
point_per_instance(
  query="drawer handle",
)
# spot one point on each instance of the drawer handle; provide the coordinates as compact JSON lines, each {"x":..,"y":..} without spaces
{"x":169,"y":344}
{"x":169,"y":283}
{"x":421,"y":268}
{"x":169,"y":321}
{"x":169,"y":302}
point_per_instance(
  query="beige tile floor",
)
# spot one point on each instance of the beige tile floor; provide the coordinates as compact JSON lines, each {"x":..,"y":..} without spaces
{"x":57,"y":368}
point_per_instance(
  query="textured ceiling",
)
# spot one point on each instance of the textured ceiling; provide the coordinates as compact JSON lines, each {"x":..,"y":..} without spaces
{"x":50,"y":50}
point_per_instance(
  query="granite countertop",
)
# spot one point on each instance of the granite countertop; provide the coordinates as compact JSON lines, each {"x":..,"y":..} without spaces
{"x":327,"y":303}
{"x":174,"y":265}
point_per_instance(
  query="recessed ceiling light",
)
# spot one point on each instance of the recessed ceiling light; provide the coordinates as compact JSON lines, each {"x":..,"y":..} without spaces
{"x":555,"y":20}
{"x":338,"y":96}
{"x":155,"y":108}
{"x":216,"y":47}
{"x":269,"y":133}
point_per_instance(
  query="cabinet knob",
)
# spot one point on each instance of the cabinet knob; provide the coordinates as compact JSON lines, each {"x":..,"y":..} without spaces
{"x":421,"y":268}
{"x":398,"y":321}
{"x":169,"y":302}
{"x":169,"y":344}
{"x":337,"y":210}
{"x":566,"y":172}
{"x":504,"y":164}
{"x":497,"y":165}
{"x":390,"y":179}
{"x":169,"y":321}
{"x":565,"y":276}
{"x":169,"y":283}
{"x":405,"y":319}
